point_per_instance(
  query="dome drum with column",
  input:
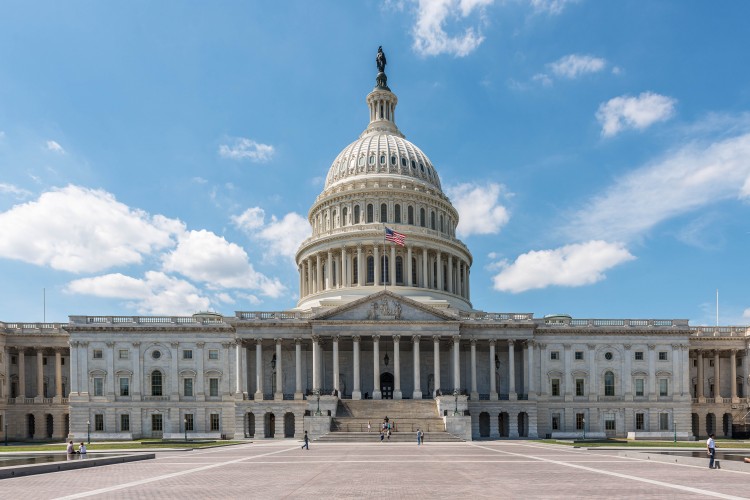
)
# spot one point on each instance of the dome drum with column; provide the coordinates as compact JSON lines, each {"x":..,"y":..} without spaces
{"x":383,"y":179}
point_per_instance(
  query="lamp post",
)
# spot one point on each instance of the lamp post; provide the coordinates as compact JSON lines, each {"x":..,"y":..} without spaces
{"x":184,"y":421}
{"x":317,"y":396}
{"x":674,"y":427}
{"x":88,"y":431}
{"x":455,"y":396}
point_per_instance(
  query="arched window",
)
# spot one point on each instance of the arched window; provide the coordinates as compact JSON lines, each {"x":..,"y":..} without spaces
{"x":325,"y":222}
{"x":334,"y":224}
{"x":432,"y":220}
{"x":383,"y":212}
{"x":372,"y":159}
{"x":397,"y":214}
{"x":399,"y":270}
{"x":355,"y":271}
{"x":422,"y":221}
{"x":393,"y":160}
{"x":369,"y":212}
{"x":410,"y":215}
{"x":382,"y":159}
{"x":609,"y":384}
{"x":157,"y":384}
{"x":356,"y":214}
{"x":384,"y":270}
{"x":370,"y":269}
{"x":414,"y":271}
{"x":344,"y":215}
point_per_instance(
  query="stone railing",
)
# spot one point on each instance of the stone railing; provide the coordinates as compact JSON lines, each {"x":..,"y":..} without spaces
{"x":146,"y":320}
{"x":276,"y":315}
{"x":640,"y":323}
{"x":32,"y":327}
{"x":483,"y":316}
{"x":720,"y":331}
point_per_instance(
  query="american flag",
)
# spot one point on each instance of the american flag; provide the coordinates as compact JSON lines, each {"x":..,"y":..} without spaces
{"x":395,"y":236}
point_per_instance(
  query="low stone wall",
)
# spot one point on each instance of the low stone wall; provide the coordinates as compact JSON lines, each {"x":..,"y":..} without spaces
{"x":192,"y":435}
{"x":660,"y":436}
{"x":74,"y":463}
{"x":578,"y":435}
{"x":101,"y":436}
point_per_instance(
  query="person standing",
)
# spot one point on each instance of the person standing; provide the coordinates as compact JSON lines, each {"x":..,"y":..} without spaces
{"x":307,"y":442}
{"x":711,"y":450}
{"x":419,"y":437}
{"x":368,"y":426}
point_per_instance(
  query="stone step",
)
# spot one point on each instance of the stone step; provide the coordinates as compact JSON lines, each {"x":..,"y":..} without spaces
{"x":347,"y":424}
{"x":396,"y":437}
{"x":377,"y":410}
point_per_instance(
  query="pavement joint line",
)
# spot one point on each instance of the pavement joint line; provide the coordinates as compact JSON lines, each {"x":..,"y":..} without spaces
{"x":689,"y":489}
{"x":167,"y":476}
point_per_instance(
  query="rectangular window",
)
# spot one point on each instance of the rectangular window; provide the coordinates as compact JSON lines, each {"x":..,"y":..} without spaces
{"x":124,"y":386}
{"x":157,"y":424}
{"x":98,"y":354}
{"x":189,"y":426}
{"x":123,"y":354}
{"x":187,"y":354}
{"x":62,"y":361}
{"x":609,"y":424}
{"x":663,"y":356}
{"x":213,"y":354}
{"x":124,"y":422}
{"x":580,"y":420}
{"x":214,"y":421}
{"x":98,"y":386}
{"x":556,"y":422}
{"x":554,"y":355}
{"x":663,"y":421}
{"x":579,"y":355}
{"x":695,"y":362}
{"x":639,"y":425}
{"x":639,"y":355}
{"x":188,"y":387}
{"x":639,"y":383}
{"x":555,"y":386}
{"x":579,"y":387}
{"x":213,"y":387}
{"x":99,"y":422}
{"x":663,"y":387}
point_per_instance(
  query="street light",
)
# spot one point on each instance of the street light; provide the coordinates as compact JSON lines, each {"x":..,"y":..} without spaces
{"x":317,"y":396}
{"x":455,"y":395}
{"x":88,"y":426}
{"x":674,"y":426}
{"x":184,"y":421}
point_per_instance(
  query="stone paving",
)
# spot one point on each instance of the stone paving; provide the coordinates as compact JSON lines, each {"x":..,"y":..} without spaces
{"x":489,"y":469}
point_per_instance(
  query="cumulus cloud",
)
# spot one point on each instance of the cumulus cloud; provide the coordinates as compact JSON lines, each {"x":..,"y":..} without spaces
{"x":550,"y":7}
{"x":203,"y":256}
{"x":430,"y":37}
{"x":638,"y":113}
{"x":575,"y":65}
{"x":78,"y":229}
{"x":280,"y":237}
{"x":571,"y":265}
{"x":479,"y":208}
{"x":156,"y":293}
{"x":15,"y":191}
{"x":684,"y":180}
{"x":54,"y":146}
{"x":242,"y":148}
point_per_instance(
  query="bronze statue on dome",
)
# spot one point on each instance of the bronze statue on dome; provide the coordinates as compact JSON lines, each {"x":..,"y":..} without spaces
{"x":380,"y":60}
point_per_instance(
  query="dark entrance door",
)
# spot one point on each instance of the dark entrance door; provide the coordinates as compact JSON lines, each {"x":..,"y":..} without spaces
{"x":386,"y":385}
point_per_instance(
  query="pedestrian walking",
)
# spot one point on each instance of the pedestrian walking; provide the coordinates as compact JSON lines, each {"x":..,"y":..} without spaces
{"x":419,"y":437}
{"x":307,"y":442}
{"x":368,"y":426}
{"x":711,"y":450}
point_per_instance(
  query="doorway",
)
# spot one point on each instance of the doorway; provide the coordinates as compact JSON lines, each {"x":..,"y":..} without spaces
{"x":386,"y":385}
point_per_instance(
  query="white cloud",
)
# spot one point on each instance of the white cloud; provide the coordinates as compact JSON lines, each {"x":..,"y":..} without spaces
{"x":542,"y":78}
{"x":15,"y":191}
{"x":250,"y":219}
{"x":570,"y":265}
{"x":78,"y":229}
{"x":157,"y":293}
{"x":551,"y":7}
{"x":479,"y":209}
{"x":199,"y":180}
{"x":624,"y":112}
{"x":430,"y":37}
{"x":204,"y":256}
{"x":686,"y":179}
{"x":746,"y":314}
{"x":242,"y":148}
{"x":55,"y":147}
{"x":280,"y":237}
{"x":575,"y":65}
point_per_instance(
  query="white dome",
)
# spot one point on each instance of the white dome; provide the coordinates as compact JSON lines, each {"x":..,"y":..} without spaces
{"x":377,"y":154}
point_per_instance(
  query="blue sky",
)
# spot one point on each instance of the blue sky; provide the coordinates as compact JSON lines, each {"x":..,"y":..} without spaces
{"x":160,"y":157}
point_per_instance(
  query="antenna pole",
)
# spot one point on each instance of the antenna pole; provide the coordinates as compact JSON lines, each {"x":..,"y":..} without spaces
{"x":44,"y":305}
{"x":717,"y":307}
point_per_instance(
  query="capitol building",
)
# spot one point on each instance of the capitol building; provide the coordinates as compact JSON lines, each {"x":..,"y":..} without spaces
{"x":380,"y":328}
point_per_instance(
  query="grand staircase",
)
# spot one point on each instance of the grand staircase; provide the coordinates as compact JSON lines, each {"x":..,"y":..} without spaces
{"x":352,"y":416}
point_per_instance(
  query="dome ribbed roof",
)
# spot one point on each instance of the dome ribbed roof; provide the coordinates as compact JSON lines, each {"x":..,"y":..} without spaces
{"x":377,"y":154}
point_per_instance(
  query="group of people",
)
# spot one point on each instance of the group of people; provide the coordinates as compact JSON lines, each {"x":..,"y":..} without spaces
{"x":72,"y":451}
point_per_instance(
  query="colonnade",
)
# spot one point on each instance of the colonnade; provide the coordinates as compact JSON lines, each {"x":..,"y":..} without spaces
{"x":713,"y":374}
{"x":38,"y":356}
{"x":406,"y":266}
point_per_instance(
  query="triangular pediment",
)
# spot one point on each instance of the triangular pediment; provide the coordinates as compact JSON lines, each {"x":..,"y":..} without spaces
{"x":384,"y":306}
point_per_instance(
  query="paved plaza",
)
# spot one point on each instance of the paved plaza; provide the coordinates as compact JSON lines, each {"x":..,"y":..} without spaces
{"x":495,"y":469}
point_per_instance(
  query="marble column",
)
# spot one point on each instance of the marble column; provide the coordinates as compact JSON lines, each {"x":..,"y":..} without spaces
{"x":425,"y":273}
{"x":329,"y":271}
{"x":450,"y":273}
{"x":84,"y":360}
{"x":39,"y":373}
{"x":717,"y":377}
{"x":417,"y":383}
{"x":493,"y":376}
{"x":342,"y":280}
{"x":530,"y":366}
{"x":392,"y":265}
{"x":73,"y":369}
{"x":396,"y":368}
{"x":356,"y":392}
{"x":512,"y":396}
{"x":298,"y":369}
{"x":22,"y":373}
{"x":258,"y":370}
{"x":360,"y":276}
{"x":318,"y":274}
{"x":336,"y":370}
{"x":439,"y":260}
{"x":436,"y":357}
{"x":474,"y":392}
{"x":676,"y":382}
{"x":456,"y":364}
{"x":700,"y":383}
{"x":316,"y":362}
{"x":279,"y":395}
{"x":376,"y":394}
{"x":652,"y":372}
{"x":58,"y":375}
{"x":238,"y":367}
{"x":376,"y":262}
{"x":409,"y":271}
{"x":627,"y":376}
